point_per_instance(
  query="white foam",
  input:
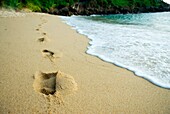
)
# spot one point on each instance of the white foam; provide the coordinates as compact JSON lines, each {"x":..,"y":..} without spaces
{"x":143,"y":49}
{"x":167,"y":1}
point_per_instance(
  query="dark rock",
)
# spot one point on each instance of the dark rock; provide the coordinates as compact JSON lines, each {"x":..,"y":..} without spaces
{"x":53,"y":11}
{"x":92,"y":7}
{"x":64,"y":11}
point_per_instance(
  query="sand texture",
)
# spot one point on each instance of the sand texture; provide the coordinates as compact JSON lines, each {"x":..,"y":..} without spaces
{"x":44,"y":70}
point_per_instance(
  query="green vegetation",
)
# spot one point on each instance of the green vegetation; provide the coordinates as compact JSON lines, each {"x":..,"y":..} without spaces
{"x":36,"y":5}
{"x":46,"y":5}
{"x":128,"y":3}
{"x":11,"y":3}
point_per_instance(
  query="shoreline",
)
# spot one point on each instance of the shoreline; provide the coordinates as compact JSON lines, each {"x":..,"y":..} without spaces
{"x":101,"y":87}
{"x":148,"y":78}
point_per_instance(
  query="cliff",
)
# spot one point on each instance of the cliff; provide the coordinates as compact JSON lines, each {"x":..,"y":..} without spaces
{"x":88,"y":7}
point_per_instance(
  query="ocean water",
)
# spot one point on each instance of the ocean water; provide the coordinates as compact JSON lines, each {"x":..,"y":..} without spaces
{"x":137,"y":42}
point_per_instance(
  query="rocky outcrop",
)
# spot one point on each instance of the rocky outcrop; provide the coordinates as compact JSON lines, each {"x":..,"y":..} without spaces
{"x":83,"y":8}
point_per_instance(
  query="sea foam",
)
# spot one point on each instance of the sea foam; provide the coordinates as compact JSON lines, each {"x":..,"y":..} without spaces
{"x":138,"y":42}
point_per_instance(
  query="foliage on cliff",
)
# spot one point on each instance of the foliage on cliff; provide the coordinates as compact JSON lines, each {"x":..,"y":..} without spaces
{"x":36,"y":5}
{"x":55,"y":5}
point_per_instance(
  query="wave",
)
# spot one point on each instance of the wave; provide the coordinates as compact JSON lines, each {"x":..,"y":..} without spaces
{"x":137,"y":42}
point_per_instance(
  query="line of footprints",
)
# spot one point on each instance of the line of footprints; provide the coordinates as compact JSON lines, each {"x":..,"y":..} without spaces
{"x":52,"y":83}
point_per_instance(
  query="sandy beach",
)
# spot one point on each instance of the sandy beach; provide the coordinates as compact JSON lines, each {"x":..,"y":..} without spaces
{"x":44,"y":70}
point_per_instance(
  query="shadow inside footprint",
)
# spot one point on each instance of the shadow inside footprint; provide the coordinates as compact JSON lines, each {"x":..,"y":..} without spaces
{"x":37,"y":29}
{"x":41,"y":39}
{"x":50,"y":53}
{"x":44,"y":33}
{"x":50,"y":83}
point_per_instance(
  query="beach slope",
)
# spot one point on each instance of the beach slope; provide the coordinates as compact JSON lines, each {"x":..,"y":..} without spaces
{"x":44,"y":70}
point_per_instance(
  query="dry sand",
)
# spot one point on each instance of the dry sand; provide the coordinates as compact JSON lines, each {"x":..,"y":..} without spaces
{"x":44,"y":70}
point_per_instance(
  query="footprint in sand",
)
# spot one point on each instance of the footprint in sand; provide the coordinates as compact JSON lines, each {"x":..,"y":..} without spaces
{"x":51,"y":83}
{"x":42,"y":39}
{"x":37,"y":29}
{"x":44,"y":21}
{"x":44,"y":33}
{"x":39,"y":25}
{"x":51,"y":55}
{"x":48,"y":53}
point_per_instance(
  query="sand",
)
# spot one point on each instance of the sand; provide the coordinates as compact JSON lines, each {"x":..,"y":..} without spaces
{"x":44,"y":70}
